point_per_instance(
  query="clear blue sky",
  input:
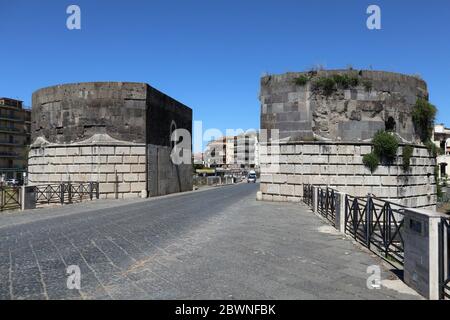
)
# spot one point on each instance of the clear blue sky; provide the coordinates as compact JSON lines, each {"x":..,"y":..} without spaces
{"x":210,"y":54}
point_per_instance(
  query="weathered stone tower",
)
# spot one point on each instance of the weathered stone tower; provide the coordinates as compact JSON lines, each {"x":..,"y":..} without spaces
{"x":326,"y":120}
{"x":116,"y":133}
{"x":305,"y":112}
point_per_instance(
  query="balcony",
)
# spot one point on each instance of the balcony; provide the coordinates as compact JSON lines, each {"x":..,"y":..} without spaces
{"x":11,"y":118}
{"x":14,"y":130}
{"x":13,"y":169}
{"x":7,"y":154}
{"x":9,"y":143}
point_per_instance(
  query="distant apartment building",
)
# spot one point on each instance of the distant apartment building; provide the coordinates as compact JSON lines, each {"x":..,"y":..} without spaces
{"x":441,"y":138}
{"x":15,"y":123}
{"x":233,"y":152}
{"x":215,"y":153}
{"x":198,"y":158}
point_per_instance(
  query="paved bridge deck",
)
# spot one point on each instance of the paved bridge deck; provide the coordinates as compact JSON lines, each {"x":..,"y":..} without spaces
{"x":214,"y":244}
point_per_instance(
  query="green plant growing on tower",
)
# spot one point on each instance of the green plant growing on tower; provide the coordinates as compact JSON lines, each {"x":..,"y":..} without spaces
{"x":371,"y":161}
{"x":326,"y":85}
{"x":301,"y":80}
{"x":367,"y":85}
{"x":345,"y":81}
{"x":407,"y":154}
{"x":423,"y":116}
{"x":433,"y":150}
{"x":385,"y":145}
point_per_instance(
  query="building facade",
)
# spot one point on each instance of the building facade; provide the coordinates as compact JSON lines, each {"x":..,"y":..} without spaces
{"x":441,"y":138}
{"x":197,"y":159}
{"x":116,"y":133}
{"x":234,"y":152}
{"x":15,"y":122}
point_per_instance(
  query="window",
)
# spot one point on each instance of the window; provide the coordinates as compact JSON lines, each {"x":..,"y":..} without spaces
{"x":390,"y":124}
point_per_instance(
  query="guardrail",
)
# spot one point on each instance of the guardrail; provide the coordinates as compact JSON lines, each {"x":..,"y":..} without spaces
{"x":10,"y":198}
{"x":308,"y":194}
{"x":66,"y":192}
{"x":327,"y":203}
{"x":376,"y":223}
{"x":405,"y":237}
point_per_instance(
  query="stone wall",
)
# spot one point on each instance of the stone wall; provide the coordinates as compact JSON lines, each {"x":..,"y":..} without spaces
{"x":165,"y":114}
{"x":302,"y":113}
{"x":167,"y":177}
{"x":74,"y":112}
{"x":90,"y":131}
{"x":340,"y":165}
{"x":118,"y":166}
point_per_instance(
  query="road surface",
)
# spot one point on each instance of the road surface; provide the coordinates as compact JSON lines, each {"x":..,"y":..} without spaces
{"x":215,"y":244}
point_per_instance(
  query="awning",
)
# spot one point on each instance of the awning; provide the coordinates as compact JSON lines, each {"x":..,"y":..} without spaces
{"x":209,"y":170}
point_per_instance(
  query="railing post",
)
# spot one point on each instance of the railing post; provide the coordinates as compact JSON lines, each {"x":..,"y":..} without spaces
{"x":444,"y":258}
{"x":340,"y":212}
{"x":368,"y":220}
{"x":48,"y":193}
{"x":315,"y":197}
{"x":90,"y":190}
{"x":61,"y":192}
{"x":97,"y":190}
{"x":116,"y":185}
{"x":69,"y":191}
{"x":355,"y":217}
{"x":28,"y":197}
{"x":22,"y":198}
{"x":421,"y":246}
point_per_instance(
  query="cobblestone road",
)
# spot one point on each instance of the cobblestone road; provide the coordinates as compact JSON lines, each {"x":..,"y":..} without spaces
{"x":214,"y":244}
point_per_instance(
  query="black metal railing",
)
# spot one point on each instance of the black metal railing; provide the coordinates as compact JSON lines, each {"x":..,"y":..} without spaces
{"x":444,"y":259}
{"x":68,"y":192}
{"x":327,"y":203}
{"x":9,"y":198}
{"x":377,"y":224}
{"x":308,"y":194}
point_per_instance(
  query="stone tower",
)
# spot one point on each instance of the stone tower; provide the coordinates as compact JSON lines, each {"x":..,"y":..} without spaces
{"x":116,"y":133}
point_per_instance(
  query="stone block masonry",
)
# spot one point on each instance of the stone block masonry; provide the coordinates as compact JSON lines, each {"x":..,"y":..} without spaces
{"x":349,"y":113}
{"x":339,"y":165}
{"x":120,"y":169}
{"x":107,"y":132}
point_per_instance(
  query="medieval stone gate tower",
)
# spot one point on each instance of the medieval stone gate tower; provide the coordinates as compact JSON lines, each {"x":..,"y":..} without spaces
{"x":325,"y":121}
{"x":116,"y":133}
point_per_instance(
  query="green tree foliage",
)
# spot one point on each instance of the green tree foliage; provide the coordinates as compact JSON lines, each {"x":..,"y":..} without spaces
{"x":423,"y":116}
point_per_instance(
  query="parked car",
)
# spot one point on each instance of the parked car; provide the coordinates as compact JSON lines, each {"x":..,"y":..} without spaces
{"x":251,"y":177}
{"x":12,"y":182}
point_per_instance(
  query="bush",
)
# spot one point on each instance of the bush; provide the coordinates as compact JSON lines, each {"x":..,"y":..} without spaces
{"x":371,"y":161}
{"x":345,"y":81}
{"x":423,"y":116}
{"x":385,"y":145}
{"x":301,"y":81}
{"x":407,"y":154}
{"x":326,"y":85}
{"x":367,"y":85}
{"x":433,"y":150}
